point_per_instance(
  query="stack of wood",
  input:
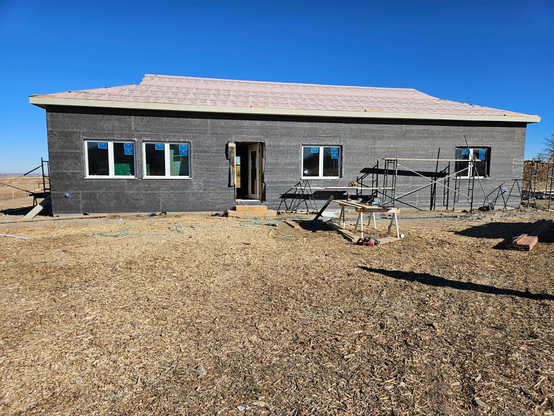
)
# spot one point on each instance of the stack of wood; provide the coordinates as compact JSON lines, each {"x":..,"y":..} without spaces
{"x":528,"y":240}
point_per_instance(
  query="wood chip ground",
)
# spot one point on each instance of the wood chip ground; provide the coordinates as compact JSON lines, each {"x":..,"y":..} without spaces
{"x":116,"y":316}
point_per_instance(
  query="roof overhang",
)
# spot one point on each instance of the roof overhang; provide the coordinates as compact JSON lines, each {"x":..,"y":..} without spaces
{"x":45,"y":100}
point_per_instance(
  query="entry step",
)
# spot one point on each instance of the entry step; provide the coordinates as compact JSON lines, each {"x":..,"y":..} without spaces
{"x":242,"y":211}
{"x":250,"y":208}
{"x":249,"y":202}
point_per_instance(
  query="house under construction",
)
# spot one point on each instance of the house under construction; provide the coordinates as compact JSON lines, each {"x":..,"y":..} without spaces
{"x":195,"y":144}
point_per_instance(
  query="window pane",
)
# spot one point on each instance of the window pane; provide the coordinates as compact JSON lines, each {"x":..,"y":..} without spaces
{"x":310,"y":161}
{"x":124,"y":159}
{"x":331,"y":158}
{"x":155,"y":159}
{"x":237,"y":171}
{"x":97,"y":158}
{"x":179,"y":159}
{"x":482,"y":156}
{"x":462,"y":154}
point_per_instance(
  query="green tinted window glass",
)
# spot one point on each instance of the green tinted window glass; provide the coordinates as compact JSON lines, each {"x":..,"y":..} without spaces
{"x":179,"y":159}
{"x":124,"y":159}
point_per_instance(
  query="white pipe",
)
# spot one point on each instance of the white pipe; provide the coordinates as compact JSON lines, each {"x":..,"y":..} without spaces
{"x":13,"y":236}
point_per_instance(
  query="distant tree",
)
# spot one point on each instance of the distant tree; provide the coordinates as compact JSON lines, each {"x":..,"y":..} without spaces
{"x":547,"y":152}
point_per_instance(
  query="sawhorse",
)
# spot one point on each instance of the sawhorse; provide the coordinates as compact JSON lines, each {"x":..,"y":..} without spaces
{"x":372,"y":210}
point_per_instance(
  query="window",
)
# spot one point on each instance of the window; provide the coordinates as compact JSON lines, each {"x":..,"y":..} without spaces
{"x":109,"y":159}
{"x":166,"y":160}
{"x":321,"y":161}
{"x":470,"y":157}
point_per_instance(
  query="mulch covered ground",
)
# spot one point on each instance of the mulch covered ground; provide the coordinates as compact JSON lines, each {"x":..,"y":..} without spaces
{"x":195,"y":314}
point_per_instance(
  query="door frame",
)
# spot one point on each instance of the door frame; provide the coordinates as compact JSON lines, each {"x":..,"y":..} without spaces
{"x":254,"y":171}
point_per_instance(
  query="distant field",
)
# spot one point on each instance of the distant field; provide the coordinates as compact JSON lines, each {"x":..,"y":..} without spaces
{"x":11,"y":197}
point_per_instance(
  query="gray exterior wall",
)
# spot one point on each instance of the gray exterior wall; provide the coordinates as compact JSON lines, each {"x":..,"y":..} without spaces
{"x":363,"y":142}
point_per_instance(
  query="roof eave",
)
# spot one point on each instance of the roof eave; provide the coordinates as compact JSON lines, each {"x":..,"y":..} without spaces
{"x":43,"y":101}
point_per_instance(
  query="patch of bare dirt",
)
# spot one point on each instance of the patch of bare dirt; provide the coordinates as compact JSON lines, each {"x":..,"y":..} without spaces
{"x":194,"y":314}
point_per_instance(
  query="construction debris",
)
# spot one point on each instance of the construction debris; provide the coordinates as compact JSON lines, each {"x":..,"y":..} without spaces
{"x":527,"y":241}
{"x":201,"y":371}
{"x":13,"y":236}
{"x":349,"y":235}
{"x":292,"y":224}
{"x":368,"y":241}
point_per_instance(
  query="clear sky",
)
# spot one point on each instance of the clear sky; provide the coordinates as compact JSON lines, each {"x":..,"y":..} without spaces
{"x":487,"y":52}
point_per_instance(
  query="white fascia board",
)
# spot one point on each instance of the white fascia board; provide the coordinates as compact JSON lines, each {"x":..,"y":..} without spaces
{"x":42,"y":101}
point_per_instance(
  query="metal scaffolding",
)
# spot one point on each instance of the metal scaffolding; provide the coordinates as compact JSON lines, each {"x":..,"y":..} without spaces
{"x":300,"y":193}
{"x":395,"y":167}
{"x":540,"y":183}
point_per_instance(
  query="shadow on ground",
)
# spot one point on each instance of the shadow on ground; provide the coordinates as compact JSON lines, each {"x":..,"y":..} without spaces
{"x":495,"y":230}
{"x":16,"y":211}
{"x":505,"y":230}
{"x":429,"y":279}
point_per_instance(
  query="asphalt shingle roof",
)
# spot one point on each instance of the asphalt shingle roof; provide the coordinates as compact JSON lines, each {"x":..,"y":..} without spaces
{"x":206,"y":92}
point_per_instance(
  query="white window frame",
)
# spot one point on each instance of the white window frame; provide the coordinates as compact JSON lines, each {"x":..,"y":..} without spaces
{"x":471,"y":161}
{"x":111,"y":162}
{"x":321,"y":147}
{"x":167,"y":159}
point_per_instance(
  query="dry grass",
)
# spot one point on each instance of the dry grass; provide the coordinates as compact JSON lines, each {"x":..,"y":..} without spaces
{"x":16,"y":198}
{"x":285,"y":321}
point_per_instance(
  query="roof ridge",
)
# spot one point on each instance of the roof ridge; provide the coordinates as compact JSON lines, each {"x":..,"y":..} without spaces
{"x":280,"y":83}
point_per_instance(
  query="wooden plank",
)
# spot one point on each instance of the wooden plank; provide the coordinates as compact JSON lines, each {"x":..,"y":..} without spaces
{"x":350,"y":236}
{"x":35,"y":211}
{"x":427,"y":160}
{"x":387,"y":240}
{"x":404,"y":172}
{"x":250,"y":208}
{"x":344,"y":188}
{"x":528,"y":240}
{"x":251,"y":214}
{"x":366,"y":208}
{"x":292,"y":224}
{"x":524,"y":242}
{"x":345,"y":233}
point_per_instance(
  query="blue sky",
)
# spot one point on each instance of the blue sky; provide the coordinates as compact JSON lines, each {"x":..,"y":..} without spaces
{"x":493,"y":53}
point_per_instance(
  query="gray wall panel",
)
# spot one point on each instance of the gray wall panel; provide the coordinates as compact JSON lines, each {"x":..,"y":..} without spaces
{"x":363,"y":144}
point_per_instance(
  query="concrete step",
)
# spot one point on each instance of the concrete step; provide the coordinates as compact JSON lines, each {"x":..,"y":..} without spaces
{"x":255,"y":214}
{"x":250,"y":208}
{"x":248,"y":202}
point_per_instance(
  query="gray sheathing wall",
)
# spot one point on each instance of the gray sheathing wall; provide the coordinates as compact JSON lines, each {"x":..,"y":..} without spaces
{"x":363,"y":143}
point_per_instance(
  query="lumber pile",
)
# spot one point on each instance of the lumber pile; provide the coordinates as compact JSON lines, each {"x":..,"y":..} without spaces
{"x":528,"y":240}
